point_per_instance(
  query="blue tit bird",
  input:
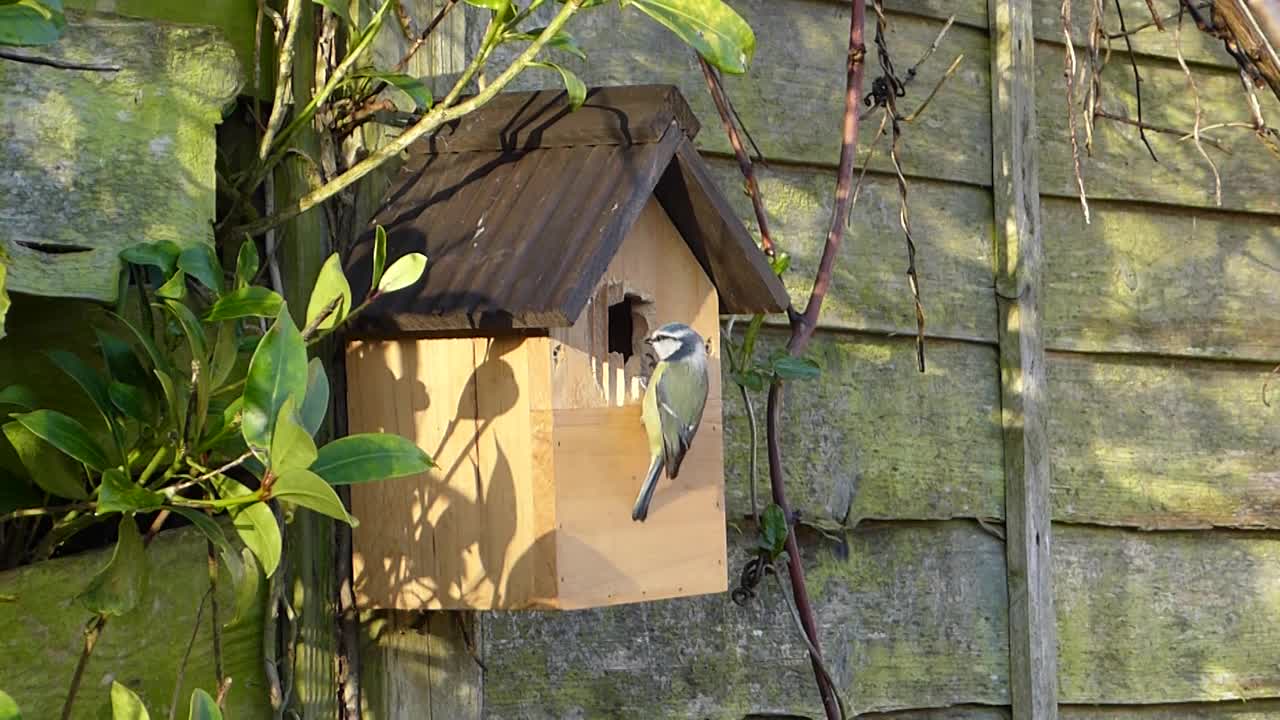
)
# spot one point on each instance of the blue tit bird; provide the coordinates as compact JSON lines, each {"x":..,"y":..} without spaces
{"x":673,"y":404}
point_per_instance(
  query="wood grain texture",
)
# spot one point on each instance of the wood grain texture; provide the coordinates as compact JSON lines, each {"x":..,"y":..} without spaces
{"x":1233,"y":710}
{"x":1162,"y":443}
{"x":1121,"y":169}
{"x":871,"y":438}
{"x":96,"y":161}
{"x":1166,"y":617}
{"x":1019,"y":273}
{"x":951,"y":224}
{"x":417,"y":667}
{"x":1160,"y":281}
{"x":142,"y":649}
{"x":910,"y":615}
{"x":1197,"y":47}
{"x":792,"y":100}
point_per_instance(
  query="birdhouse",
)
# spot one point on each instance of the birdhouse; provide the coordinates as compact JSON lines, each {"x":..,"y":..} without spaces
{"x":556,"y":241}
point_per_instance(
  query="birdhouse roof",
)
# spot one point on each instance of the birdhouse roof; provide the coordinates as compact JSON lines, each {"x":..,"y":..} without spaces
{"x":521,"y":205}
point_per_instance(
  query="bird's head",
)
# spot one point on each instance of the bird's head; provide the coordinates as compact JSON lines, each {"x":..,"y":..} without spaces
{"x":675,"y":341}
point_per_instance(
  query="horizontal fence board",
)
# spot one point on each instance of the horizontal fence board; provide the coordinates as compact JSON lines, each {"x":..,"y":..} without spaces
{"x":871,"y":438}
{"x":1197,"y":47}
{"x":1166,"y":617}
{"x":951,"y":226}
{"x":967,"y":712}
{"x":914,"y":615}
{"x":1162,"y":443}
{"x":1121,"y":169}
{"x":143,"y":649}
{"x":792,"y":99}
{"x":1145,"y":279}
{"x":1225,"y":710}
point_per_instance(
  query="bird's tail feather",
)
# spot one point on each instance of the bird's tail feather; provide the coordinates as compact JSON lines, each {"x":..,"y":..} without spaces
{"x":641,"y":509}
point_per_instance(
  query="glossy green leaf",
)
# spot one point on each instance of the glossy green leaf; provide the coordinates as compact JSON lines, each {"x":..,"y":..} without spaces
{"x":87,"y":378}
{"x":560,"y":41}
{"x":403,"y":273}
{"x":176,"y":399}
{"x":122,"y":361}
{"x":227,"y":553}
{"x":246,"y":263}
{"x":338,"y":8}
{"x":291,"y":447}
{"x":8,"y":708}
{"x":316,"y":404}
{"x":223,"y":359}
{"x":417,"y":91}
{"x":304,"y":487}
{"x":203,"y":707}
{"x":66,"y":434}
{"x":125,"y":704}
{"x":369,"y":457}
{"x":50,"y":470}
{"x":494,"y":5}
{"x":118,"y":586}
{"x":19,"y":396}
{"x":247,"y":587}
{"x":331,"y":283}
{"x":175,"y":288}
{"x":191,"y":328}
{"x":277,"y":372}
{"x":773,"y":534}
{"x":162,"y":254}
{"x":751,"y":380}
{"x":131,"y":401}
{"x":119,"y":493}
{"x":200,"y":261}
{"x":788,"y":367}
{"x":158,"y":361}
{"x":709,"y":26}
{"x":255,"y":524}
{"x":572,"y":83}
{"x":379,"y":254}
{"x":252,"y":301}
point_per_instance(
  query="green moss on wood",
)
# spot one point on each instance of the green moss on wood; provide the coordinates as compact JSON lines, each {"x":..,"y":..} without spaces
{"x":95,"y":161}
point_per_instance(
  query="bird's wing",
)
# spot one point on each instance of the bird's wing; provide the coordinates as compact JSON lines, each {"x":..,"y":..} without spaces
{"x":678,"y":434}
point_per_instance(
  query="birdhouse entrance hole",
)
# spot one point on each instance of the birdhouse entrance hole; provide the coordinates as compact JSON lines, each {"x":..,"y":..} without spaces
{"x":628,"y":327}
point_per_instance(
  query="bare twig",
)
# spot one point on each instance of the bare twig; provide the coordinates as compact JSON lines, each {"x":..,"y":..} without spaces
{"x":38,"y":511}
{"x":186,"y":656}
{"x":716,"y":89}
{"x":955,"y":65}
{"x":904,"y":220}
{"x":1155,"y":16}
{"x":1137,"y":83}
{"x":1165,"y":130}
{"x":1268,"y":136}
{"x":813,"y":651}
{"x":215,"y":625}
{"x":1093,"y":97}
{"x":284,"y":77}
{"x":422,"y":37}
{"x":1195,"y":95}
{"x":1070,"y":73}
{"x":92,"y":632}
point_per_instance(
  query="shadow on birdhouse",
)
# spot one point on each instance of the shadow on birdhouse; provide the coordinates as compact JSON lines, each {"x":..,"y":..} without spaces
{"x":557,"y":241}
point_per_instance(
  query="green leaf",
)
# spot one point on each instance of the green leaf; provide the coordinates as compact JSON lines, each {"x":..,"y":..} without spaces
{"x":252,"y":301}
{"x":19,"y":396}
{"x":379,"y":254}
{"x":87,"y":378}
{"x":254,"y":523}
{"x":316,"y":404}
{"x":203,"y":707}
{"x":125,"y":704}
{"x":119,"y":493}
{"x":122,"y":361}
{"x":31,"y":22}
{"x":132,"y":401}
{"x":49,"y":469}
{"x":118,"y":586}
{"x":305,"y":488}
{"x":277,"y":372}
{"x":201,"y":262}
{"x":788,"y":367}
{"x":225,"y":350}
{"x":175,"y":288}
{"x":191,"y":328}
{"x":213,"y":531}
{"x":403,"y":273}
{"x":752,"y":380}
{"x":246,"y":263}
{"x":560,"y":41}
{"x":572,"y":83}
{"x":66,"y":434}
{"x":773,"y":534}
{"x":780,"y":263}
{"x":330,"y":284}
{"x":291,"y":447}
{"x":176,"y":400}
{"x":248,"y":586}
{"x":494,"y":5}
{"x":369,"y":457}
{"x":417,"y":91}
{"x":339,"y":8}
{"x":709,"y":26}
{"x":162,"y":254}
{"x":8,"y":708}
{"x":158,"y":361}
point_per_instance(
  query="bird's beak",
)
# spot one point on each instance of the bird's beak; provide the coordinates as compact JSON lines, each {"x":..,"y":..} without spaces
{"x":648,"y":340}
